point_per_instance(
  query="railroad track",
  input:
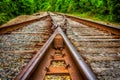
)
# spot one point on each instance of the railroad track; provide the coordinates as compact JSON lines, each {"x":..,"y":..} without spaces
{"x":59,"y":58}
{"x":99,"y":46}
{"x":19,"y":44}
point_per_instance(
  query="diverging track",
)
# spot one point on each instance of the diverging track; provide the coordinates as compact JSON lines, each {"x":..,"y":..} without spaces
{"x":99,"y":46}
{"x":57,"y":59}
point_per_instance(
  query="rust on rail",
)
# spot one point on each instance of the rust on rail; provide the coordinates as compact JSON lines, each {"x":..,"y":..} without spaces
{"x":7,"y":28}
{"x":57,"y":59}
{"x":106,"y":28}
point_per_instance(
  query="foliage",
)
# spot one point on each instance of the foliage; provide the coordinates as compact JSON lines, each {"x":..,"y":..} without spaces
{"x":100,"y":8}
{"x":3,"y":18}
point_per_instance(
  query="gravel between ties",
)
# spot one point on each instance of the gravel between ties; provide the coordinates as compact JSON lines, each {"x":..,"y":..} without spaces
{"x":12,"y":63}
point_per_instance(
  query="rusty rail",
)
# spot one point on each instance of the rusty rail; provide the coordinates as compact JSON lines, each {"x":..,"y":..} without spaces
{"x":63,"y":26}
{"x":27,"y":71}
{"x":84,"y":69}
{"x":4,"y":29}
{"x":54,"y":23}
{"x":54,"y":26}
{"x":107,"y":28}
{"x":103,"y":27}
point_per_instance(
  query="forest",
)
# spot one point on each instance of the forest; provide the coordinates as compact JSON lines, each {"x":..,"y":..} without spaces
{"x":103,"y":9}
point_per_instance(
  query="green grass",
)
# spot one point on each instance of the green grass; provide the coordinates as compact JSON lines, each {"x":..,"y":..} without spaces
{"x":93,"y":17}
{"x":88,"y":16}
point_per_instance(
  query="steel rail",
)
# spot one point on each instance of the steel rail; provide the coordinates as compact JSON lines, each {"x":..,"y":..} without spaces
{"x":110,"y":29}
{"x":85,"y":70}
{"x":27,"y":71}
{"x":107,"y":28}
{"x":11,"y":27}
{"x":53,"y":21}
